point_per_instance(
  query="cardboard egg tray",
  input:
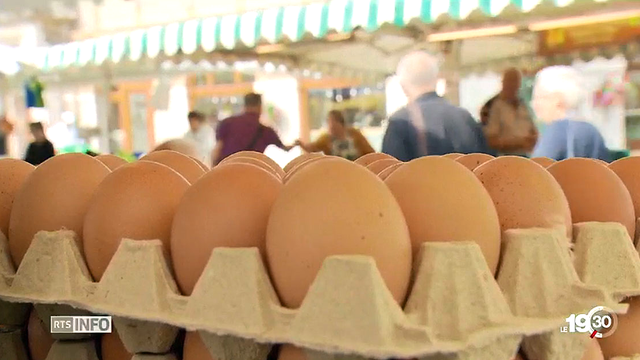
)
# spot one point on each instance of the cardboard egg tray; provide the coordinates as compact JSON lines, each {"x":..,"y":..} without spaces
{"x":455,"y":310}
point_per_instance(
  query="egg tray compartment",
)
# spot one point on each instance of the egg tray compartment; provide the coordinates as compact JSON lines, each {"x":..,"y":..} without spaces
{"x":11,"y":314}
{"x":12,"y":344}
{"x":86,"y":350}
{"x":237,"y":313}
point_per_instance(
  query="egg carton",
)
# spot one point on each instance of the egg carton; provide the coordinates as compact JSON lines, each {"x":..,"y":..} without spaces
{"x":11,"y":314}
{"x":348,"y":312}
{"x":348,"y":309}
{"x":86,"y":350}
{"x":12,"y":345}
{"x":538,"y":280}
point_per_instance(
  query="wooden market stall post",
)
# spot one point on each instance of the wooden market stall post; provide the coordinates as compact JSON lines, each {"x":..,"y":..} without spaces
{"x":121,"y":96}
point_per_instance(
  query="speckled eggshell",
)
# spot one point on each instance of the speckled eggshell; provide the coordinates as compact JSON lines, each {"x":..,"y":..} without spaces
{"x":290,"y":352}
{"x":194,"y":348}
{"x":453,"y":156}
{"x":378,"y":166}
{"x":112,"y":347}
{"x":111,"y":161}
{"x":137,"y":201}
{"x":628,"y":170}
{"x":472,"y":161}
{"x":543,"y":161}
{"x":384,"y":174}
{"x":55,"y":196}
{"x":260,"y":156}
{"x":443,"y":201}
{"x":334,"y":207}
{"x":40,"y":339}
{"x":228,"y":207}
{"x":300,"y":159}
{"x":594,"y":192}
{"x":625,"y":341}
{"x":525,"y":194}
{"x":367,"y":159}
{"x":252,"y":161}
{"x":13,"y":174}
{"x":183,"y":164}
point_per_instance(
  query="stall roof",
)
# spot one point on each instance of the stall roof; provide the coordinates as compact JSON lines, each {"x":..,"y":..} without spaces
{"x":292,"y":24}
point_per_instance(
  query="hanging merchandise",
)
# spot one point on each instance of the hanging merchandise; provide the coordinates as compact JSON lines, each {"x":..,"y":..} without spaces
{"x":33,"y":93}
{"x":611,"y":92}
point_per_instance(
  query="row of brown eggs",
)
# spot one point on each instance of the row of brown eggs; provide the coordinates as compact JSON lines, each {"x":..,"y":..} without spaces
{"x":243,"y":203}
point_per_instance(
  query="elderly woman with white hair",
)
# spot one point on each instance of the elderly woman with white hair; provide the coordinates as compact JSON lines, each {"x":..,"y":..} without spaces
{"x":558,"y":95}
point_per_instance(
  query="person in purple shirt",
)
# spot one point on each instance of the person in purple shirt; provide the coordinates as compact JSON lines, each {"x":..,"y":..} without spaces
{"x":557,"y":97}
{"x":244,"y":132}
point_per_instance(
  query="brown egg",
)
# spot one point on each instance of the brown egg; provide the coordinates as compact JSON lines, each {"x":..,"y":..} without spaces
{"x":13,"y":174}
{"x":40,"y":339}
{"x":472,"y":161}
{"x":136,"y":201}
{"x":443,"y":201}
{"x":228,"y":207}
{"x":378,"y":166}
{"x":367,"y":159}
{"x":290,"y":352}
{"x":300,"y":159}
{"x":303,"y":164}
{"x":194,"y":348}
{"x":384,"y":174}
{"x":55,"y":196}
{"x":543,"y":161}
{"x":202,"y":165}
{"x":183,"y":146}
{"x":251,"y":161}
{"x":183,"y":164}
{"x":113,"y":348}
{"x":453,"y":156}
{"x":593,"y":351}
{"x":628,"y":170}
{"x":601,"y":162}
{"x":524,"y":194}
{"x":594,"y":192}
{"x":625,"y":340}
{"x":334,"y":207}
{"x":260,"y":156}
{"x":111,"y":161}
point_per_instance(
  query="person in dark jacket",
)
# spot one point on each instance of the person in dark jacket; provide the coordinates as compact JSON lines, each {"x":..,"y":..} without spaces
{"x":41,"y":148}
{"x":428,"y":124}
{"x":557,"y":96}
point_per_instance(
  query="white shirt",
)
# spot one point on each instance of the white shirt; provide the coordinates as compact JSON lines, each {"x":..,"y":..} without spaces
{"x":204,"y":139}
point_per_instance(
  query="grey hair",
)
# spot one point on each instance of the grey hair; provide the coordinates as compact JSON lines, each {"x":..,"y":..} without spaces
{"x":564,"y":81}
{"x":418,"y":69}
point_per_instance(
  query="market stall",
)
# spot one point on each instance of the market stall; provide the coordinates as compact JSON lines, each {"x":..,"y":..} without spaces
{"x":356,"y":43}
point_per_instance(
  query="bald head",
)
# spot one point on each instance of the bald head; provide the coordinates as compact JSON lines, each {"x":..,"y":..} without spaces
{"x":511,"y":81}
{"x":418,"y":73}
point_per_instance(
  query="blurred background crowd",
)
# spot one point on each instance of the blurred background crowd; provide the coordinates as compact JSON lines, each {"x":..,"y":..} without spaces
{"x":409,"y":78}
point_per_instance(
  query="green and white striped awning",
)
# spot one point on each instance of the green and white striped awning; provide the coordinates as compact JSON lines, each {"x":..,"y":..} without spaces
{"x":289,"y":23}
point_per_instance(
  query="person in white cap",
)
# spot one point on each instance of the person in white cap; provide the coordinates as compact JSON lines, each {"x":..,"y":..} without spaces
{"x":429,"y":124}
{"x":558,"y":94}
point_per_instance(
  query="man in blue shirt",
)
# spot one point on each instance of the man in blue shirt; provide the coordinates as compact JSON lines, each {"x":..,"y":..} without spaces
{"x":557,"y":96}
{"x":429,"y":124}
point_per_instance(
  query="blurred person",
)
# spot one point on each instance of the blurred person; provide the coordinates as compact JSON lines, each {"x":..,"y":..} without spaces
{"x":183,"y":146}
{"x":244,"y":132}
{"x":557,"y":96}
{"x":428,"y":124}
{"x":6,"y":128}
{"x":40,"y":148}
{"x":507,"y":124}
{"x":340,"y":140}
{"x":201,"y":134}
